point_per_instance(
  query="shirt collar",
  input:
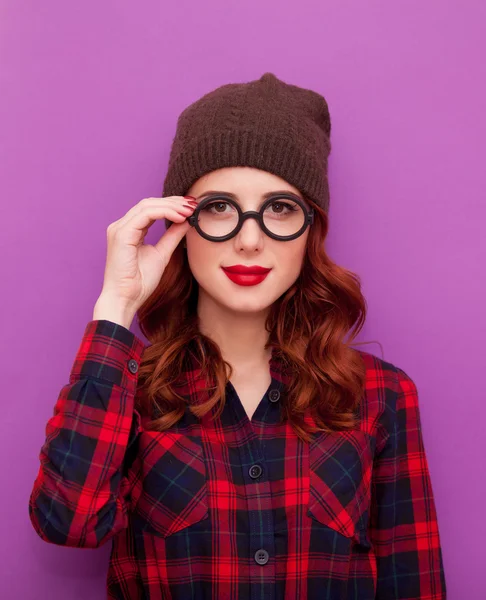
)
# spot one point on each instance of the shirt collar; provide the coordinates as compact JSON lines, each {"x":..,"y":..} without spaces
{"x":192,"y":380}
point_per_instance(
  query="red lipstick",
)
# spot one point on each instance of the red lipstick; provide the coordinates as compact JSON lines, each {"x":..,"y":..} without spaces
{"x":246,"y":275}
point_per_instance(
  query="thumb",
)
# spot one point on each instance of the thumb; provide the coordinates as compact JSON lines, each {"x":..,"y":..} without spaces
{"x":172,"y":237}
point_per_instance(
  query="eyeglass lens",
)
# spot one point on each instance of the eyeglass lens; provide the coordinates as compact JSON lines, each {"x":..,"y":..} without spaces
{"x":281,"y":217}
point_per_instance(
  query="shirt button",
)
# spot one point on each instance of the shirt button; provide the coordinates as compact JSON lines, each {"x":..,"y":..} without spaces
{"x":261,"y":556}
{"x":274,"y":395}
{"x":132,"y":365}
{"x":255,"y":471}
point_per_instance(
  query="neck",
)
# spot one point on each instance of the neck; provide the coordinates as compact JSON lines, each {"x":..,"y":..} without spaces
{"x":241,"y":336}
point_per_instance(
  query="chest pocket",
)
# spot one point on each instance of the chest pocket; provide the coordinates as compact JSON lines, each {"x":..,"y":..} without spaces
{"x":173,"y":493}
{"x":340,"y":466}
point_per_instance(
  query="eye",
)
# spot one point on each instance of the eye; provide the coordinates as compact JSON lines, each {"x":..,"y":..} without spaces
{"x":218,"y":207}
{"x":280,"y":207}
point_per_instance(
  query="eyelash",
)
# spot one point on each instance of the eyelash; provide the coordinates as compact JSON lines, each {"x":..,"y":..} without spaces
{"x":286,"y":204}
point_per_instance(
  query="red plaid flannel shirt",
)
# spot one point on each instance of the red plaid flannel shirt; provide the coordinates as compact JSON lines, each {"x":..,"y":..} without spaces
{"x":237,"y":508}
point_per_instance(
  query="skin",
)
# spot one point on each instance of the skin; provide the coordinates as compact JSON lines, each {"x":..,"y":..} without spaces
{"x":232,"y":315}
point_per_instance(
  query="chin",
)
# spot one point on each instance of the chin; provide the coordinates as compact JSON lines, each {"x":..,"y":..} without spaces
{"x":239,"y":304}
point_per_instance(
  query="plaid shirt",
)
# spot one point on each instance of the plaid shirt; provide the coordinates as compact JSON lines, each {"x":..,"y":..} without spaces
{"x":237,"y":508}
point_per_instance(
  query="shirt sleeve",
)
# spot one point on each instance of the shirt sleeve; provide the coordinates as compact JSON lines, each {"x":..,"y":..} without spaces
{"x":403,"y":521}
{"x":81,"y":495}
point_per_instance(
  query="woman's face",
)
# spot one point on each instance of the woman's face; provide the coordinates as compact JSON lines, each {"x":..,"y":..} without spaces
{"x":249,"y":247}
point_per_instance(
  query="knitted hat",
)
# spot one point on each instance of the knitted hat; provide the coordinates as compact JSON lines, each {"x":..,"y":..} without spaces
{"x":267,"y":124}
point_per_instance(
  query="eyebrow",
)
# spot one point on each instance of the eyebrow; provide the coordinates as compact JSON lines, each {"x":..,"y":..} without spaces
{"x":264,"y":196}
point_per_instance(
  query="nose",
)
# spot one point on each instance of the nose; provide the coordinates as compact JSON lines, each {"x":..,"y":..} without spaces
{"x":250,"y":236}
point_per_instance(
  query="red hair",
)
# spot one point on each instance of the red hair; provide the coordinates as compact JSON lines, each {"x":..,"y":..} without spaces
{"x":307,"y":325}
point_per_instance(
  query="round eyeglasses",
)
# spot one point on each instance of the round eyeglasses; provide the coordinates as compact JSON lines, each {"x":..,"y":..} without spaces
{"x":282,"y":217}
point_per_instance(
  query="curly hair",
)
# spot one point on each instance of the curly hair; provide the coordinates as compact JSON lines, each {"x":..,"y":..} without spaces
{"x":307,"y":326}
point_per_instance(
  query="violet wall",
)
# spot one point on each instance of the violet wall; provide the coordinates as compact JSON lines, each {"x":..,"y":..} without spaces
{"x":90,"y":94}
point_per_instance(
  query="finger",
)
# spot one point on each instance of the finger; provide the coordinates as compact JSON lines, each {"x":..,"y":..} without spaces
{"x":141,"y":221}
{"x":146,"y":202}
{"x":172,"y":237}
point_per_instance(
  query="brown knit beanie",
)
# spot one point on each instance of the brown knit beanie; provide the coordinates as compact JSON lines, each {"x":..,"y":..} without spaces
{"x":267,"y":124}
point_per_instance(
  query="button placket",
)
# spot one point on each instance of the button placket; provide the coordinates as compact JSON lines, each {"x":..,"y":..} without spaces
{"x":258,"y":489}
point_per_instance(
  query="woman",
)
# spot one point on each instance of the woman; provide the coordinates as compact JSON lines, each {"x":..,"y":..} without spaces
{"x":248,"y":451}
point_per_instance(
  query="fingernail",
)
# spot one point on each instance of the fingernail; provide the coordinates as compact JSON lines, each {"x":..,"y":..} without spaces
{"x":187,"y":206}
{"x":190,"y":197}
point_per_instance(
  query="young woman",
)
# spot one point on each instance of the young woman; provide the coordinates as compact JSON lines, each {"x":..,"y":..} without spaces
{"x":248,"y":451}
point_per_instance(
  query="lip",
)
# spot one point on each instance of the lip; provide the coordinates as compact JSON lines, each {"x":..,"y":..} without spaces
{"x":246,"y":270}
{"x":247,"y":278}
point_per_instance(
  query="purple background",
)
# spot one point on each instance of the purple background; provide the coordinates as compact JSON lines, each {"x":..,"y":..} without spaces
{"x":90,"y":94}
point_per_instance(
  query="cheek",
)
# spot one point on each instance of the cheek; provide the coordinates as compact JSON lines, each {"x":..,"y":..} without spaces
{"x":290,"y":257}
{"x":203,"y":256}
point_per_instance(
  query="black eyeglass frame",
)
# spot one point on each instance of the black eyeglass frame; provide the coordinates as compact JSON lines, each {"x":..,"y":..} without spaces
{"x":251,"y":214}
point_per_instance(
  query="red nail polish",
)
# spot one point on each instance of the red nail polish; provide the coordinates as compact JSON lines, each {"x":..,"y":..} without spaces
{"x":190,"y":197}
